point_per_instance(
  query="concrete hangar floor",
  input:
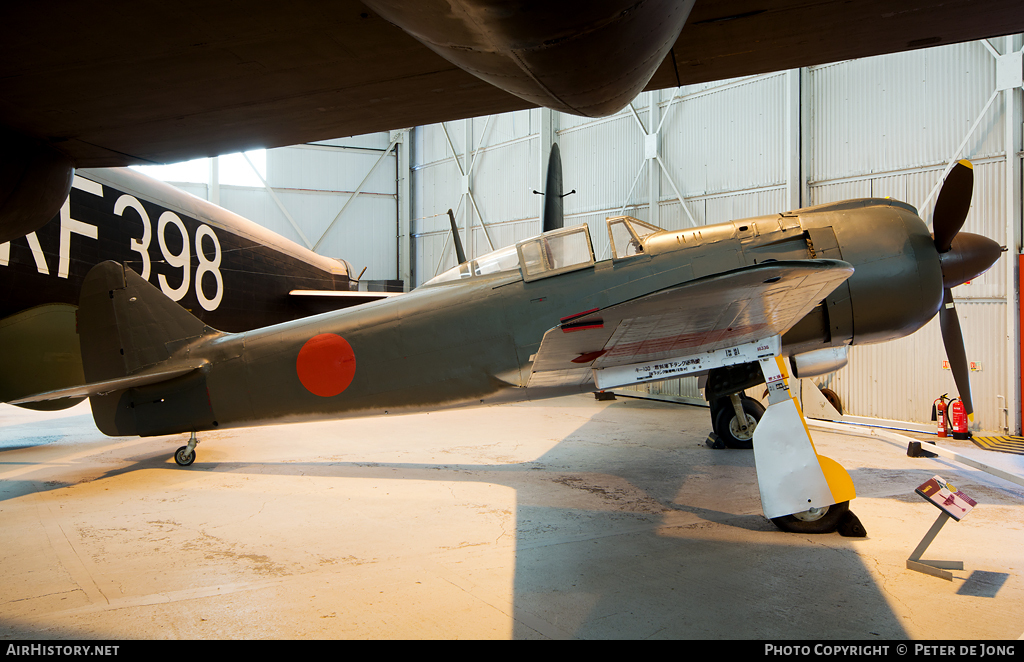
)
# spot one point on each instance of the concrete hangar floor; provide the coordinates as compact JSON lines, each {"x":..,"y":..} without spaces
{"x":571,"y":518}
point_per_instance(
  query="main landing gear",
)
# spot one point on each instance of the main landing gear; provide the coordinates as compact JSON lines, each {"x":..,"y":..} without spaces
{"x":734,"y":418}
{"x":801,"y":491}
{"x":186,"y":455}
{"x":837,"y":517}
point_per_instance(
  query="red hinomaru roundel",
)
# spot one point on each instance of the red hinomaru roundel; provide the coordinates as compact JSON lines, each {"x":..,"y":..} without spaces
{"x":326,"y":365}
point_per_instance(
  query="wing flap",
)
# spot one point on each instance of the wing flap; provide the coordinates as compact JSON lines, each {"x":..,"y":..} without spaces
{"x":707,"y":315}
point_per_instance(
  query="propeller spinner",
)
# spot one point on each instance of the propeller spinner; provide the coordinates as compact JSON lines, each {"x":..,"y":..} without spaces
{"x":962,"y":257}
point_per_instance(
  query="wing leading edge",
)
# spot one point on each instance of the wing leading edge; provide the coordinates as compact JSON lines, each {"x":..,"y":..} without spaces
{"x":714,"y":314}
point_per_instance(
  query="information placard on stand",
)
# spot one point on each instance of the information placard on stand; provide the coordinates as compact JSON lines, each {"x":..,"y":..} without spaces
{"x":951,"y":502}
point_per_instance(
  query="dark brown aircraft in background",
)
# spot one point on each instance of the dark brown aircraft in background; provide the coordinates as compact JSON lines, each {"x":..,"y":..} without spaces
{"x":226,"y":270}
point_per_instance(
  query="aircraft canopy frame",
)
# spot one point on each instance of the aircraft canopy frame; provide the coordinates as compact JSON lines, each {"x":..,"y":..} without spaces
{"x":626,"y":235}
{"x":556,"y":252}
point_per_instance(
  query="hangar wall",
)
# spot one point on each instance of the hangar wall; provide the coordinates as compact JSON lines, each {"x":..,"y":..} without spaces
{"x":337,"y":197}
{"x":710,"y":153}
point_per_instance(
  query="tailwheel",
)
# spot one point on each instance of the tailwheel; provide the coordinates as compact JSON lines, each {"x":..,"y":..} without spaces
{"x":184,"y":457}
{"x":727,"y":423}
{"x":823,"y":520}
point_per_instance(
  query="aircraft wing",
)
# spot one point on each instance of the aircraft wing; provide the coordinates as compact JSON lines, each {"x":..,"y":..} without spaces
{"x":116,"y":83}
{"x":120,"y":82}
{"x":712,"y":314}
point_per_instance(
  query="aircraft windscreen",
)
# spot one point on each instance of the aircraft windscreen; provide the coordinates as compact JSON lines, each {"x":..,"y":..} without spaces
{"x":503,"y":259}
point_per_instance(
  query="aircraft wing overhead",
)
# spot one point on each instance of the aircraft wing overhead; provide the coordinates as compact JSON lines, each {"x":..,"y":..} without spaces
{"x":706,"y":315}
{"x":731,"y":38}
{"x":117,"y":83}
{"x":122,"y":83}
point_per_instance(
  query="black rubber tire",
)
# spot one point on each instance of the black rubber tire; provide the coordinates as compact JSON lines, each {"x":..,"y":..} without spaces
{"x":182,"y":459}
{"x":826,"y":523}
{"x":833,"y":399}
{"x":726,"y":416}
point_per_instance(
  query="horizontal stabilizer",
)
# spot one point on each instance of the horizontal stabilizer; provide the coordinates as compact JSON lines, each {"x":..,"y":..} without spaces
{"x":164,"y":373}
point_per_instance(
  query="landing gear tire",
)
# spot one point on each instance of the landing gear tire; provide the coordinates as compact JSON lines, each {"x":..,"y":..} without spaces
{"x":727,"y":426}
{"x":815,"y":520}
{"x":833,"y":399}
{"x":183,"y":457}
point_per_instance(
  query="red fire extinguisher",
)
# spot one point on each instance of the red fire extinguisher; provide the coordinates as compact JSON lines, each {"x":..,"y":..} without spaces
{"x":958,"y":419}
{"x":940,"y":417}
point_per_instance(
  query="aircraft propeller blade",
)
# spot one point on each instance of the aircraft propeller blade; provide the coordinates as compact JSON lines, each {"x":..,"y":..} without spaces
{"x":552,"y":213}
{"x":956,"y":354}
{"x":961,"y":258}
{"x":953,"y":204}
{"x":460,"y":253}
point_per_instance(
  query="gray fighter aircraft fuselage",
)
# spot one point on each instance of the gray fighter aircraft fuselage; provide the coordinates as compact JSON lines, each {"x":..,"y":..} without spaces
{"x":474,"y":339}
{"x":543,"y":318}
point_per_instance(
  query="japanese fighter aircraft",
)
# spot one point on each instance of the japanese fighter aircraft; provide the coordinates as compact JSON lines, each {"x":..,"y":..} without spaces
{"x":230,"y":272}
{"x":542,"y":318}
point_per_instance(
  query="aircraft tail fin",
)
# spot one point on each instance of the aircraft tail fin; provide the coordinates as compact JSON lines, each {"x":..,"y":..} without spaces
{"x":126,"y":325}
{"x":139,"y":376}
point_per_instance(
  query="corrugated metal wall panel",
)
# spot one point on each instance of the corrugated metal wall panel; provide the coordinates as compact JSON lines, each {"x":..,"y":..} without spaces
{"x":437,"y":187}
{"x":727,"y":140}
{"x":823,"y":193}
{"x":938,"y":92}
{"x":503,"y":182}
{"x":511,"y":126}
{"x":721,"y":209}
{"x":257,"y":206}
{"x":330,"y":170}
{"x":313,"y":184}
{"x":900,"y":379}
{"x":601,"y":162}
{"x":429,"y":145}
{"x":427,"y":251}
{"x":503,"y":234}
{"x":988,"y":218}
{"x":366,"y":234}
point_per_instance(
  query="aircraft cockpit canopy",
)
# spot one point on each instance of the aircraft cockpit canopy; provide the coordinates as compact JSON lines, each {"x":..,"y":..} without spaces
{"x":503,"y":259}
{"x":627,"y":235}
{"x":554,"y":252}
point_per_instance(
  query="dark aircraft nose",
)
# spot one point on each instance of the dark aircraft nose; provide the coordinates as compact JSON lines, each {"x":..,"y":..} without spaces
{"x":970,"y":256}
